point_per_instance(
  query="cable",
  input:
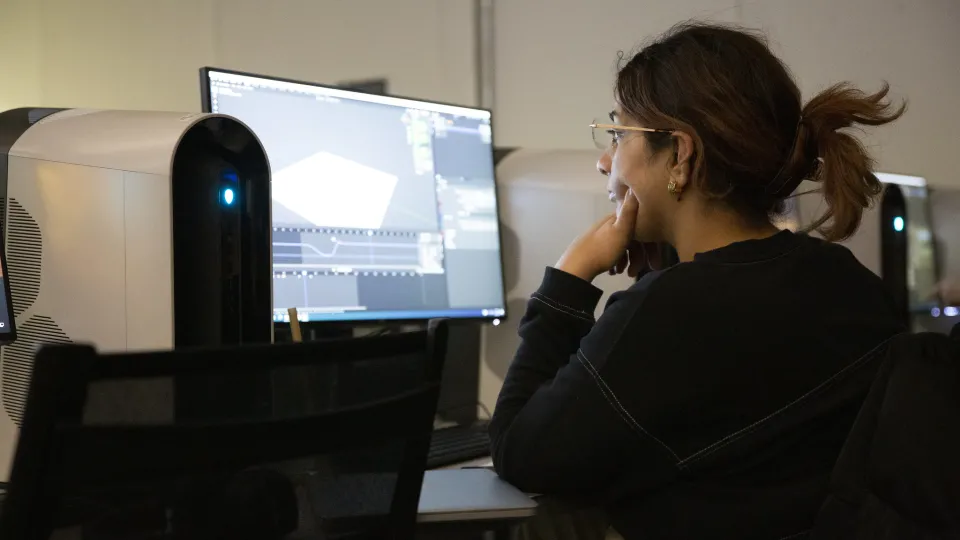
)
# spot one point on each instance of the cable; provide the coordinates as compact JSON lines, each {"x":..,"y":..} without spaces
{"x":482,"y":407}
{"x":485,"y":410}
{"x":378,"y":332}
{"x":385,"y":331}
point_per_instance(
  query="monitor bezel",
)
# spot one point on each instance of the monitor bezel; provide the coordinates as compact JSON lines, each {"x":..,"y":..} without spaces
{"x":205,"y":103}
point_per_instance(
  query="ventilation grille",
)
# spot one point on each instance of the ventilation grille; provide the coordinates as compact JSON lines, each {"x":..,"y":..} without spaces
{"x":18,"y":361}
{"x":24,"y":254}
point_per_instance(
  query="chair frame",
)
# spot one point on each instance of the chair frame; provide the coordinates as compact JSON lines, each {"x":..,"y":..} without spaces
{"x":56,"y":451}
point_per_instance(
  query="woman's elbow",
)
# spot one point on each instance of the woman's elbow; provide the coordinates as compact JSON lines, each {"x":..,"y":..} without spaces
{"x":515,"y":463}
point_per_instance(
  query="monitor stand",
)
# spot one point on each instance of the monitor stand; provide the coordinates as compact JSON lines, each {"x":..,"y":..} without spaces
{"x":312,"y":331}
{"x":460,"y":385}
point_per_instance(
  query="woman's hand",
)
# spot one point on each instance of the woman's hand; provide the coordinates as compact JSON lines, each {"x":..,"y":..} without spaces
{"x":639,"y":258}
{"x":604,"y":247}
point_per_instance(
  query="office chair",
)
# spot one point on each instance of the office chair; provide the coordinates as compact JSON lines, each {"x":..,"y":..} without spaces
{"x":897,"y":476}
{"x":102,"y":448}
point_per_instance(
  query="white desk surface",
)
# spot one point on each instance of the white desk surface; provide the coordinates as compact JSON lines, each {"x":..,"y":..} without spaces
{"x":451,"y":495}
{"x":484,"y":462}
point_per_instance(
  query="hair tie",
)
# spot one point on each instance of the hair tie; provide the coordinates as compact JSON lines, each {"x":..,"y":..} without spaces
{"x":777,"y":185}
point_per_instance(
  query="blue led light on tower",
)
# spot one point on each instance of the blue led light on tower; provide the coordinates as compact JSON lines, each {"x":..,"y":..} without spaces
{"x":228,"y":196}
{"x":898,"y":224}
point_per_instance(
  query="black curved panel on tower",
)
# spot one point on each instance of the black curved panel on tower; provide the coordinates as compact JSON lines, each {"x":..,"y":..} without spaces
{"x":13,"y":124}
{"x":221,"y":236}
{"x":894,"y":247}
{"x":221,"y":261}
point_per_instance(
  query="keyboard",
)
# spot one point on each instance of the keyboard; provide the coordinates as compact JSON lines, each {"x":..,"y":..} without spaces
{"x":457,"y":444}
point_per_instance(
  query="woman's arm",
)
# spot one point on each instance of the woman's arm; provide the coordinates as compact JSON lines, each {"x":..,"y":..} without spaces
{"x":557,"y":428}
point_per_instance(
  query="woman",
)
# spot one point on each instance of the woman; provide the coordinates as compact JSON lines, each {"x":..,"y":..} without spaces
{"x":712,"y":398}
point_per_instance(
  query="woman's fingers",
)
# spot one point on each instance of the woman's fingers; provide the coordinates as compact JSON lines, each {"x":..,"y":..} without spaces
{"x":621,"y":264}
{"x":627,"y":216}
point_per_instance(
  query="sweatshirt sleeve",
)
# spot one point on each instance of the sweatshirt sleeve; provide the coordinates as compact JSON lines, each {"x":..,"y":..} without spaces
{"x":557,"y":428}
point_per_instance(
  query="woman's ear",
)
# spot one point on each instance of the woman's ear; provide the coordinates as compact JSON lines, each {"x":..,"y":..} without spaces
{"x":683,"y":159}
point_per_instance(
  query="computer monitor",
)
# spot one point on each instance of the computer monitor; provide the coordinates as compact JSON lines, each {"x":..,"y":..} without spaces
{"x":384,"y":208}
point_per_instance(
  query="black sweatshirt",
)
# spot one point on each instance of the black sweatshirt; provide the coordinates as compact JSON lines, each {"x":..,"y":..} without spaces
{"x":710,"y":400}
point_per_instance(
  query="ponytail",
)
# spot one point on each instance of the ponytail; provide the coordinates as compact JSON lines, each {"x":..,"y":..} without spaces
{"x":826,"y":153}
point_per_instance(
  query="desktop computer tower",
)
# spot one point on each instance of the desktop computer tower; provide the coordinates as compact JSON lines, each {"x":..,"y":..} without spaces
{"x":130,"y":230}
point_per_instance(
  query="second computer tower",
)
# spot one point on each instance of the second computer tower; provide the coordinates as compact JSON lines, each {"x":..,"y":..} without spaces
{"x":131,"y":230}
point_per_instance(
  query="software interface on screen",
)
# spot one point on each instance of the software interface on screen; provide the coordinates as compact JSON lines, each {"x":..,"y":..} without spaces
{"x":383,"y":208}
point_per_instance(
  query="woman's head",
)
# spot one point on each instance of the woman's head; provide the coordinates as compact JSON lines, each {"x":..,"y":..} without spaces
{"x":726,"y":129}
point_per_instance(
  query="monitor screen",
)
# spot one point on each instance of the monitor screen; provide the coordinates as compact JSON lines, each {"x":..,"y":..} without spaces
{"x":384,"y":208}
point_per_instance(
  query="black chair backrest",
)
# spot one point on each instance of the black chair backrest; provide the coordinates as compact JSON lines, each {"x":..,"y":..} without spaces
{"x":336,"y":448}
{"x":897,"y":476}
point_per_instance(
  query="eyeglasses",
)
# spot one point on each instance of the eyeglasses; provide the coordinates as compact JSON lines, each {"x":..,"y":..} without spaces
{"x":607,"y":136}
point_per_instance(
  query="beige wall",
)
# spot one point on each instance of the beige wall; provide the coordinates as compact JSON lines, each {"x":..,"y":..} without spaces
{"x":19,"y":53}
{"x":556,"y":58}
{"x":144,"y":54}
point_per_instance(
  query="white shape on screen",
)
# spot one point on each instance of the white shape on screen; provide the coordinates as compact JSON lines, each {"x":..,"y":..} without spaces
{"x":330,"y":191}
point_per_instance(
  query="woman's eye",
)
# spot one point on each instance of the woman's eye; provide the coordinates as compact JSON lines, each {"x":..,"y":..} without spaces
{"x":614,"y":135}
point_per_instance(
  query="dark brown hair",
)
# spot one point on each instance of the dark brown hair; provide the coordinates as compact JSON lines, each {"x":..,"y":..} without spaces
{"x":754,"y":141}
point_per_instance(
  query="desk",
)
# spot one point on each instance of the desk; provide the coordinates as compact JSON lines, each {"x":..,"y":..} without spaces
{"x":481,"y":463}
{"x":452,"y":495}
{"x":458,"y":501}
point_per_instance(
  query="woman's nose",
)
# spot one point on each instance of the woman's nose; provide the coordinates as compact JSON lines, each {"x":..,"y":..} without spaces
{"x":603,"y":164}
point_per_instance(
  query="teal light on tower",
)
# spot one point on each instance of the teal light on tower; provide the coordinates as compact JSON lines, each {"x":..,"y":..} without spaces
{"x":228,"y":196}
